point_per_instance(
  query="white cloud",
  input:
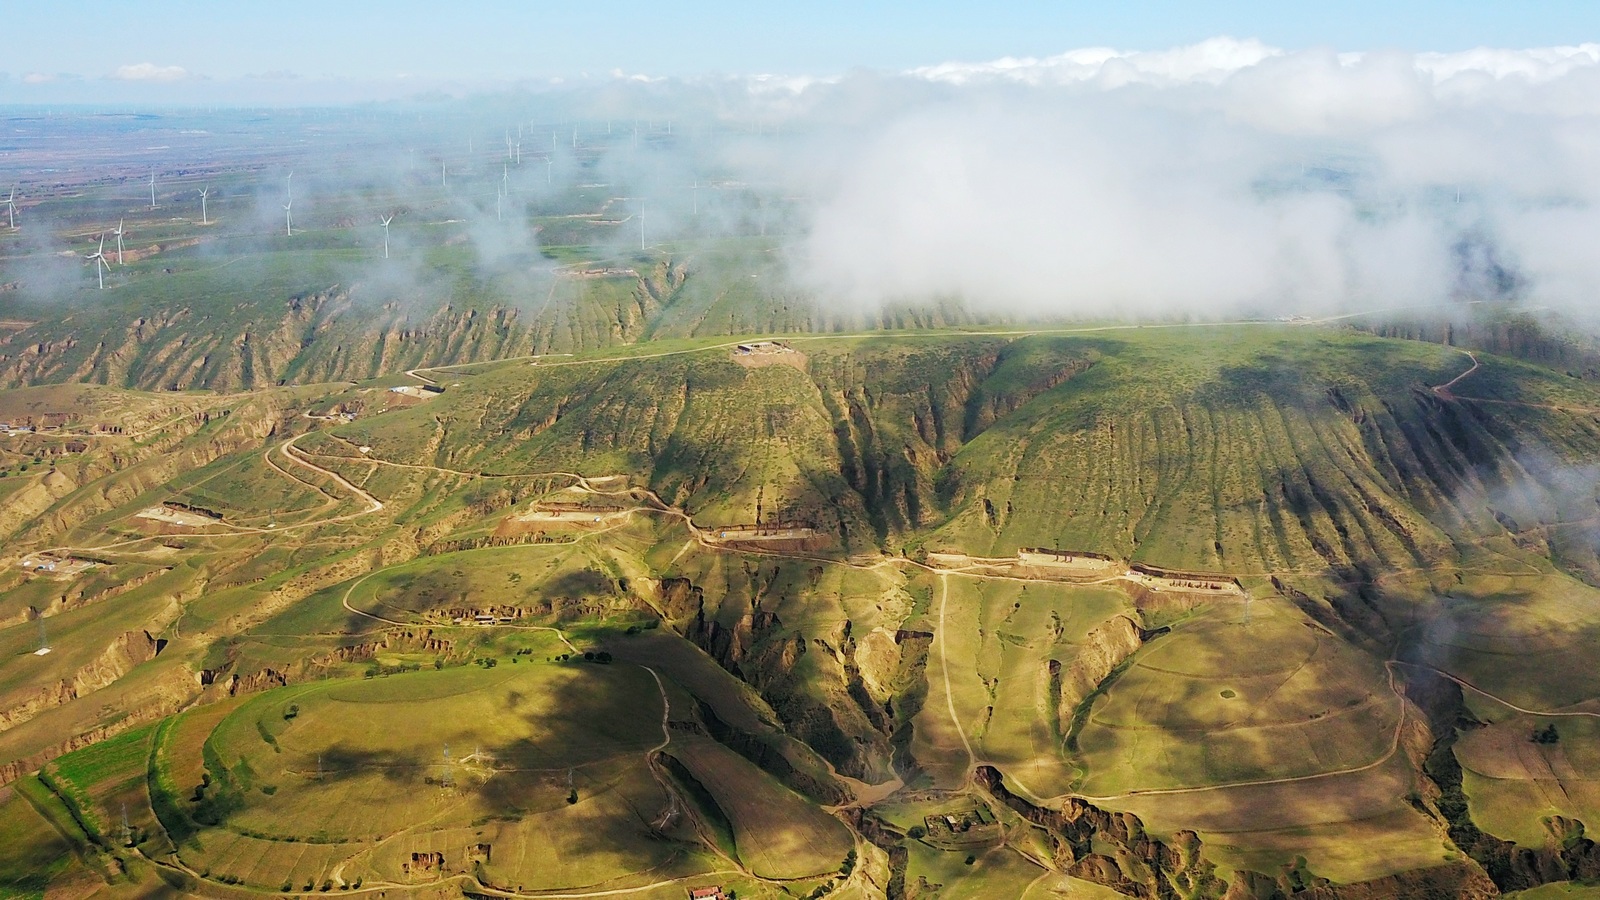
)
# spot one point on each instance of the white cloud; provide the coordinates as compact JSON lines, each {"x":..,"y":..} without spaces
{"x":150,"y":72}
{"x":1220,"y":178}
{"x":1537,"y":65}
{"x":38,"y":78}
{"x":1211,"y":61}
{"x":1317,"y":92}
{"x":1206,"y":61}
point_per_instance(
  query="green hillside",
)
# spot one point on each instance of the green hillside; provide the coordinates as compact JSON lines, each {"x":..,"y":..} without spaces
{"x":1222,"y":608}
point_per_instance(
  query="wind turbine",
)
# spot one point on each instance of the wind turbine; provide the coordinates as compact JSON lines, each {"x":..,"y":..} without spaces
{"x":288,"y":218}
{"x":152,"y":190}
{"x":118,"y":233}
{"x":549,"y":164}
{"x":518,"y":145}
{"x":641,"y":224}
{"x":442,"y":182}
{"x":499,"y":196}
{"x":11,"y":207}
{"x":386,"y":221}
{"x":204,"y":193}
{"x":99,"y":259}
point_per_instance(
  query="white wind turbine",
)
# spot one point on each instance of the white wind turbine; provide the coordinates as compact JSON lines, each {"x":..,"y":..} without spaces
{"x":549,"y":165}
{"x":204,"y":193}
{"x":118,"y":233}
{"x":386,"y":221}
{"x":11,"y":207}
{"x":99,"y":259}
{"x":152,"y":190}
{"x":288,"y":218}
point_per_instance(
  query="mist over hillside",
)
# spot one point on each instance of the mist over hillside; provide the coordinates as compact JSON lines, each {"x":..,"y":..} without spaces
{"x":1223,"y":179}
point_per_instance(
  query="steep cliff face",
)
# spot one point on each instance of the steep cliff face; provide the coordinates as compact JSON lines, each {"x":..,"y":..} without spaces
{"x":24,"y":505}
{"x":1103,"y":649}
{"x":116,"y":660}
{"x":1567,"y":854}
{"x":158,"y":699}
{"x":827,"y":704}
{"x":1088,"y":842}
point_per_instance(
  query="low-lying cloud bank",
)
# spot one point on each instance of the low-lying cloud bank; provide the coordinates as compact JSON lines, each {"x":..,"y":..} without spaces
{"x":1224,"y":178}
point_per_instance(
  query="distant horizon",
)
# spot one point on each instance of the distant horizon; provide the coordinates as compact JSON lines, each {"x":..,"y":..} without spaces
{"x":184,"y":53}
{"x":1209,"y":61}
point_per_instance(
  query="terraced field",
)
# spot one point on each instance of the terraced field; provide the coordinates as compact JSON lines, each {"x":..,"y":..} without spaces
{"x":271,"y":699}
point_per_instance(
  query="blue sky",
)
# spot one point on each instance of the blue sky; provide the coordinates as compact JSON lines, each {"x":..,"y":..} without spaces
{"x":469,"y":41}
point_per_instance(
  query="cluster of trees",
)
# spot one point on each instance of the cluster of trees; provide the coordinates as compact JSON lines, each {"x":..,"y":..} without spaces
{"x":594,"y":656}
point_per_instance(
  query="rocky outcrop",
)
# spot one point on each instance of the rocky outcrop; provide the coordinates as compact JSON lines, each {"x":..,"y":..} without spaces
{"x":829,"y":709}
{"x":263,"y":680}
{"x":1082,"y":835}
